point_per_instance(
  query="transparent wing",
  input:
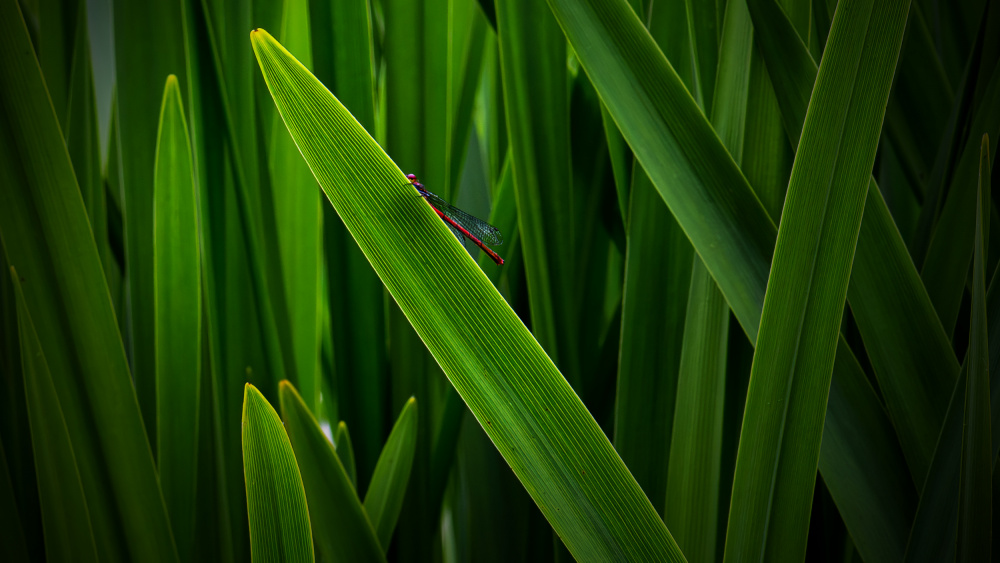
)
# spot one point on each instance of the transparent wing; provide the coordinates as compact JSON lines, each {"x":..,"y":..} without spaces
{"x":476,"y":226}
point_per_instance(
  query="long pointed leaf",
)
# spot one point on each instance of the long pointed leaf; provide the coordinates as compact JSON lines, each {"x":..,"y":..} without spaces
{"x":177,"y":314}
{"x":537,"y":422}
{"x":342,"y":530}
{"x":385,"y":494}
{"x":276,"y":499}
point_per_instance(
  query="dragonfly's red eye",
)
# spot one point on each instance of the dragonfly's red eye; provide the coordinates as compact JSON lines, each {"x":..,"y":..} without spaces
{"x":411,"y":177}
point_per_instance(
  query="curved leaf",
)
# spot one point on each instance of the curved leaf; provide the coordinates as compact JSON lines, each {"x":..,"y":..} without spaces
{"x":387,"y":489}
{"x":529,"y":411}
{"x":276,"y":501}
{"x":675,"y":144}
{"x":345,"y":451}
{"x":342,"y":530}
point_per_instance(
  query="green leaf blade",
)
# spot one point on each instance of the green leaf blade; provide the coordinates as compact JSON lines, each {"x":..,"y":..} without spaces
{"x":345,"y":451}
{"x":796,"y":347}
{"x":177,"y":314}
{"x":139,"y":76}
{"x":384,"y":498}
{"x":298,"y":223}
{"x":975,"y":486}
{"x":342,"y":530}
{"x":547,"y":436}
{"x":276,"y":500}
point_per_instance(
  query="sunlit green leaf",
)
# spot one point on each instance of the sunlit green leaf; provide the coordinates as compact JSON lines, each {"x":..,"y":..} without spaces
{"x":493,"y":361}
{"x":276,"y":500}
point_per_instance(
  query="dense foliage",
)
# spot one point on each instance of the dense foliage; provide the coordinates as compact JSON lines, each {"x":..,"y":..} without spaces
{"x":743,"y":312}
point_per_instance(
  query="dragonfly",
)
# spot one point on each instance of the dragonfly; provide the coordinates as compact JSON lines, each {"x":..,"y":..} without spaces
{"x":463,"y":225}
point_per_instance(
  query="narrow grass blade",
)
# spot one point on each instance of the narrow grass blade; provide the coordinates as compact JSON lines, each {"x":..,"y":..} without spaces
{"x":148,"y":46}
{"x":693,"y":477}
{"x":466,"y":45}
{"x":654,"y":299}
{"x":796,"y":346}
{"x":384,"y":498}
{"x":692,"y":493}
{"x":340,"y":525}
{"x":46,"y":236}
{"x":232,"y":331}
{"x":621,"y":162}
{"x":68,"y":535}
{"x":518,"y":396}
{"x":298,"y":222}
{"x":767,"y":156}
{"x":252,"y":202}
{"x":913,"y":360}
{"x":345,"y":452}
{"x":276,"y":500}
{"x":177,"y":314}
{"x":975,"y":485}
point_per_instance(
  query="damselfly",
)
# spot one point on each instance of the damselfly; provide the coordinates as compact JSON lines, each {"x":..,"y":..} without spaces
{"x":463,"y":225}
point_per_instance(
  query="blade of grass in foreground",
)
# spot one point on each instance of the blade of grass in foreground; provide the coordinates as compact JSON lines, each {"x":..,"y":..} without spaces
{"x":342,"y":530}
{"x":276,"y":500}
{"x":793,"y":361}
{"x":385,"y":494}
{"x":518,"y":396}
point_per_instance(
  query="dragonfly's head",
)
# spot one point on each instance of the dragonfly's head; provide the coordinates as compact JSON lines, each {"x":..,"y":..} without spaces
{"x":413,"y":180}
